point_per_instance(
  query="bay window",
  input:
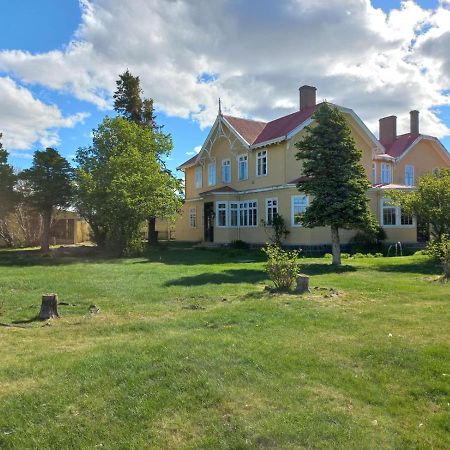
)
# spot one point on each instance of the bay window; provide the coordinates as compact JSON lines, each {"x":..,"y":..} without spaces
{"x":392,"y":216}
{"x":386,"y":173}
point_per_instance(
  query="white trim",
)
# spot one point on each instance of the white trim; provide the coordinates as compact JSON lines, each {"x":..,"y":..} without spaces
{"x":398,"y":215}
{"x":373,"y":172}
{"x":299,"y":128}
{"x":221,"y":170}
{"x":382,"y":172}
{"x":293,"y":197}
{"x":444,"y":152}
{"x":214,"y":181}
{"x":267,"y":200}
{"x":217,"y":213}
{"x":193,"y":209}
{"x":267,"y":163}
{"x":413,"y":181}
{"x":241,"y":155}
{"x":241,"y":138}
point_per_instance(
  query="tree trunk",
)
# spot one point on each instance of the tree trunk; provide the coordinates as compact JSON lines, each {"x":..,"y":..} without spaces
{"x":49,"y":307}
{"x":446,"y":266}
{"x":302,"y":284}
{"x":152,"y":233}
{"x":46,"y":225}
{"x":335,"y":245}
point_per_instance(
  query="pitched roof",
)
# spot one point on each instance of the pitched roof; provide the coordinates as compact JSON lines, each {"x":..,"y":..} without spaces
{"x":284,"y":125}
{"x":401,"y":143}
{"x":219,"y":190}
{"x":248,"y":129}
{"x":187,"y":163}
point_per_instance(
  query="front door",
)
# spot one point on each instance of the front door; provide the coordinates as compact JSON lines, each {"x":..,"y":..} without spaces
{"x":423,"y":230}
{"x":209,"y":221}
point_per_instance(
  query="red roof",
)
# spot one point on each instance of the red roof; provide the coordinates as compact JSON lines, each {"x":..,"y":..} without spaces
{"x":219,"y":190}
{"x":248,"y":129}
{"x":400,"y":144}
{"x":284,"y":125}
{"x":188,"y":162}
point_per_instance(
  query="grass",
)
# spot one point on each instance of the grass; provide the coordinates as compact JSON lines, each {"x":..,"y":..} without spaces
{"x":190,"y":352}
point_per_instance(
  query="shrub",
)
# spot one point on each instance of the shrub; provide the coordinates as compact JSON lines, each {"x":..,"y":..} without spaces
{"x":345,"y":255}
{"x":378,"y":255}
{"x":328,"y":255}
{"x":277,"y":230}
{"x":282,"y":266}
{"x":440,"y":250}
{"x":239,"y":245}
{"x":368,"y":241}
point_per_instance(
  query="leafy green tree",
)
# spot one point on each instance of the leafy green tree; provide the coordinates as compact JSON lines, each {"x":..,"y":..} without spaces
{"x":50,"y":187}
{"x":128,"y":102}
{"x":120,"y":183}
{"x":431,"y":201}
{"x":334,"y":177}
{"x":440,"y":250}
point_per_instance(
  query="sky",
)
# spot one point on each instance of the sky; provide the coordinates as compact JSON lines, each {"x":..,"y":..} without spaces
{"x":59,"y":61}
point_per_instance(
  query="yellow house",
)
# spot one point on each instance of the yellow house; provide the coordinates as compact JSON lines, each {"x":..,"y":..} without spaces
{"x":246,"y":172}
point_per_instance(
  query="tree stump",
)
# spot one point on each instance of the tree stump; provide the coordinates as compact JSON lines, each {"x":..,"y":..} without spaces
{"x":49,"y":307}
{"x":302,"y":284}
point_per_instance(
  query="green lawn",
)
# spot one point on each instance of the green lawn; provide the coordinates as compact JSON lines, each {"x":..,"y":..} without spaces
{"x":189,"y":351}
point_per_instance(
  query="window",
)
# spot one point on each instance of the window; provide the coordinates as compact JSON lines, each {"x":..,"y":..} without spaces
{"x":389,"y":213}
{"x":386,"y":173}
{"x":406,"y":219}
{"x":299,"y":203}
{"x":409,"y":175}
{"x":374,"y":173}
{"x":211,"y":174}
{"x":234,"y":218}
{"x":193,"y":217}
{"x":198,"y":177}
{"x":243,"y":167}
{"x":226,"y":171}
{"x":221,"y":214}
{"x":261,"y":163}
{"x":248,"y":214}
{"x":393,"y":215}
{"x":271,"y":210}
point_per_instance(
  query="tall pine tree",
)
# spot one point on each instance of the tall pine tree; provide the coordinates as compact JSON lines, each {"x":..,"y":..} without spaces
{"x":128,"y":102}
{"x":334,"y":177}
{"x":49,"y":179}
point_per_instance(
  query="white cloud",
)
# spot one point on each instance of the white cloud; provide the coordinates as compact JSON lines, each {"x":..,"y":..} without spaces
{"x":358,"y":56}
{"x":195,"y":151}
{"x":25,"y":120}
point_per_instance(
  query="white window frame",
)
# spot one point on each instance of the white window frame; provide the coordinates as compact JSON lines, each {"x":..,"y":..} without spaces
{"x":374,"y":173}
{"x":271,"y":207}
{"x":233,"y":206}
{"x":226,"y":163}
{"x":212,"y":181}
{"x":398,"y":216}
{"x":198,"y":177}
{"x":409,"y":177}
{"x":386,"y":169}
{"x":193,"y":217}
{"x":293,"y":198}
{"x":220,"y":209}
{"x":261,"y":155}
{"x":246,"y":207}
{"x":243,"y":158}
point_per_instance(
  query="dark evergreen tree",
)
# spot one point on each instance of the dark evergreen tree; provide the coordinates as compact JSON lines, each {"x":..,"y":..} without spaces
{"x":129,"y":103}
{"x":50,"y":187}
{"x":334,"y":177}
{"x":8,"y":179}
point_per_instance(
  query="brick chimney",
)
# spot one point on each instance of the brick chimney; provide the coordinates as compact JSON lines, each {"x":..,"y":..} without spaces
{"x":414,"y":121}
{"x":307,"y":96}
{"x":388,"y":130}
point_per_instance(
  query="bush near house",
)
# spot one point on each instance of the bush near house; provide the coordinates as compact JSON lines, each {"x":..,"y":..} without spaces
{"x":188,"y":351}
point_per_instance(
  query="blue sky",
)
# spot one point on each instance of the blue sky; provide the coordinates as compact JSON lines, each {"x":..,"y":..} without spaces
{"x":42,"y":27}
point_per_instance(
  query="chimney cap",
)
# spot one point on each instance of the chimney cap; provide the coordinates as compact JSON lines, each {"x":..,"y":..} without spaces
{"x":306,"y":86}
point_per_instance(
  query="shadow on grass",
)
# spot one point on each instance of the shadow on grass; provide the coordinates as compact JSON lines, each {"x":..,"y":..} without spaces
{"x":322,"y":269}
{"x":428,"y":267}
{"x":231,"y":276}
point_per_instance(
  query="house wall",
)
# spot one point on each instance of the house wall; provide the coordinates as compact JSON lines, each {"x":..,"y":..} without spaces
{"x":425,"y":156}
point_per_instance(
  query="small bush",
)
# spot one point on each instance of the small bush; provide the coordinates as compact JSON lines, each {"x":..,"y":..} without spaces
{"x":359,"y":255}
{"x":282,"y":266}
{"x":378,"y":255}
{"x":440,"y":250}
{"x":240,"y":245}
{"x":345,"y":255}
{"x":328,"y":255}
